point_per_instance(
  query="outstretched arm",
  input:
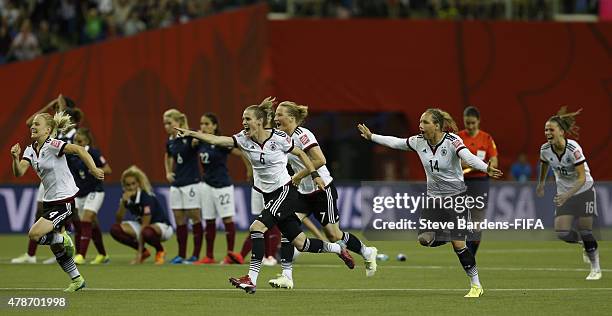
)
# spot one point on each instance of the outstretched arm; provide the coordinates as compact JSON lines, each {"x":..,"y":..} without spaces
{"x":86,"y":158}
{"x":208,"y":138}
{"x":474,"y":162}
{"x":388,"y":141}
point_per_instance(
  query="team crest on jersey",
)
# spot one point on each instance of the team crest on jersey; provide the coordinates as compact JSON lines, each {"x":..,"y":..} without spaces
{"x":577,"y":154}
{"x":273,"y":146}
{"x":184,"y":141}
{"x":444,"y":151}
{"x":568,"y":160}
{"x":304,"y":139}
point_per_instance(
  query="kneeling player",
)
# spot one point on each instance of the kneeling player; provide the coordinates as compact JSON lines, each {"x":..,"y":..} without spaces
{"x":151,"y":224}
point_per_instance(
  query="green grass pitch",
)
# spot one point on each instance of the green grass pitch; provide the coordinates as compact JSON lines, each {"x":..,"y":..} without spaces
{"x":545,"y":277}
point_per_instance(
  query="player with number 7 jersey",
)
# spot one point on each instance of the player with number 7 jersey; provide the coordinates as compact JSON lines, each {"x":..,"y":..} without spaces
{"x":441,"y":152}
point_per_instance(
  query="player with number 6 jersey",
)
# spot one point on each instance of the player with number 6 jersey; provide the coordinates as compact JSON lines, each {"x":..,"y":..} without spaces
{"x":267,"y":151}
{"x":47,"y":156}
{"x":441,"y":153}
{"x":576,"y":197}
{"x":183,"y":173}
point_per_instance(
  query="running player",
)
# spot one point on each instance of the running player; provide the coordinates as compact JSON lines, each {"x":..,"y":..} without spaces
{"x":59,"y":104}
{"x":217,"y":192}
{"x":272,"y":236}
{"x":575,"y":196}
{"x":151,"y":224}
{"x":182,"y":171}
{"x":89,"y":199}
{"x":441,"y":153}
{"x":481,"y":144}
{"x":267,"y":151}
{"x":312,"y":200}
{"x":47,"y":157}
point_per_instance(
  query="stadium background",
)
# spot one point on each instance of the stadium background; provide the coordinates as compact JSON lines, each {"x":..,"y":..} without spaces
{"x":384,"y":72}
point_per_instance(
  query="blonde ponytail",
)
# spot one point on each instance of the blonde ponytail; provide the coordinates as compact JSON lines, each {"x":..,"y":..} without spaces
{"x":298,"y":111}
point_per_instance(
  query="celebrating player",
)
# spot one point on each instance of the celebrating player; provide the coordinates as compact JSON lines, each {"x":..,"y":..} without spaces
{"x":182,"y":171}
{"x":59,"y":104}
{"x":89,"y":199}
{"x":575,"y":196}
{"x":267,"y":151}
{"x":217,"y":192}
{"x":322,"y":203}
{"x":481,"y":144}
{"x":151,"y":224}
{"x":441,"y":153}
{"x":47,"y":157}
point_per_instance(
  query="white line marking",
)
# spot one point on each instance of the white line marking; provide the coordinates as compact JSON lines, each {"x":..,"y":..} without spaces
{"x":301,"y":290}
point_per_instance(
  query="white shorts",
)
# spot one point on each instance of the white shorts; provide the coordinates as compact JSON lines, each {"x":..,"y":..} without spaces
{"x":166,"y":230}
{"x":217,"y":202}
{"x":40,"y":194}
{"x":186,"y":197}
{"x":257,"y":202}
{"x":92,"y":201}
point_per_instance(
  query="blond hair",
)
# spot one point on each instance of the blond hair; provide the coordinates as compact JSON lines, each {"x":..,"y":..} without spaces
{"x":443,"y":119}
{"x":566,"y":121}
{"x":178,"y":116}
{"x":264,"y":111}
{"x":60,"y":122}
{"x":297,"y":111}
{"x":140,"y":176}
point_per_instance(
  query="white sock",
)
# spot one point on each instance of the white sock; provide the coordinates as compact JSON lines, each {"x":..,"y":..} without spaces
{"x":365,"y":251}
{"x":331,"y":247}
{"x":57,"y":239}
{"x":474,"y":280}
{"x":296,"y":253}
{"x":288,"y":273}
{"x":253,"y":275}
{"x":594,"y":258}
{"x":74,"y":273}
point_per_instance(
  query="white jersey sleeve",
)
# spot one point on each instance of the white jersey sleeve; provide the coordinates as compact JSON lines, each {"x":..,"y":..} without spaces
{"x":28,"y":154}
{"x":57,"y":146}
{"x":306,"y":138}
{"x":284,"y":141}
{"x":576,"y":152}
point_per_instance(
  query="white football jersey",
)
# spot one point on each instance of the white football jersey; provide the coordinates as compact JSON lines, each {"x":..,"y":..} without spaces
{"x":51,"y":166}
{"x":441,"y":163}
{"x":564,"y":166}
{"x":304,"y":140}
{"x":269,"y":160}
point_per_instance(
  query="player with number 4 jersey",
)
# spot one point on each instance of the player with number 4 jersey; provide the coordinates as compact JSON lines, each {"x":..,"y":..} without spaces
{"x":47,"y":156}
{"x":576,"y":197}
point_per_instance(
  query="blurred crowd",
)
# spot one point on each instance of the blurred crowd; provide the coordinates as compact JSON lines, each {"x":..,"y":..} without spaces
{"x":29,"y":28}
